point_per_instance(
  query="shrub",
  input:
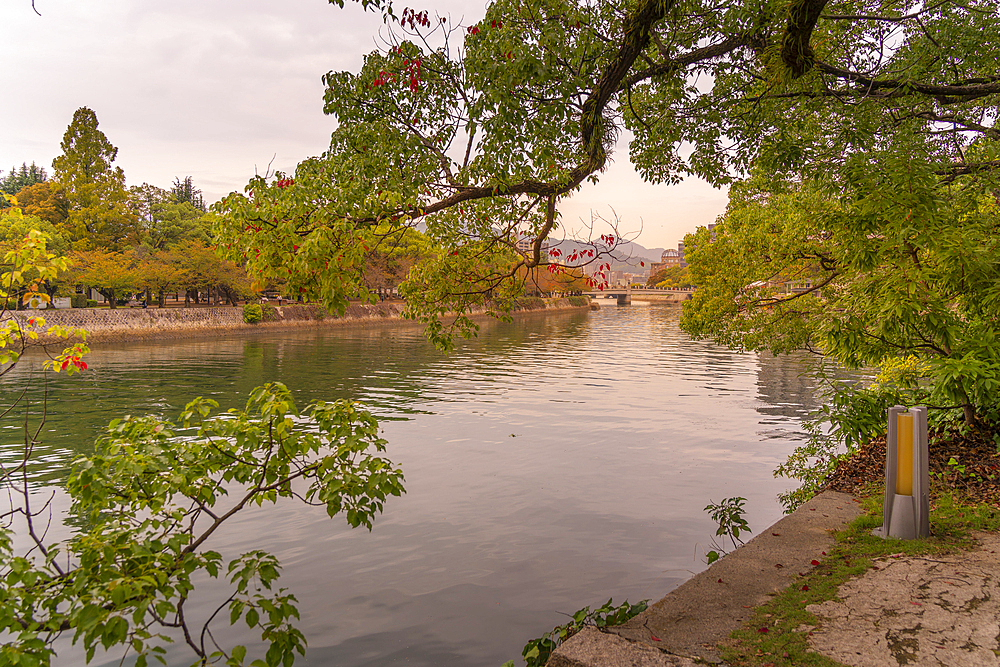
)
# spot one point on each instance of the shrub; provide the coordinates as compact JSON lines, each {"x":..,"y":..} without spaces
{"x":537,"y":651}
{"x":91,"y":303}
{"x":270,"y":314}
{"x":579,"y":300}
{"x":531,"y":303}
{"x":253,"y":313}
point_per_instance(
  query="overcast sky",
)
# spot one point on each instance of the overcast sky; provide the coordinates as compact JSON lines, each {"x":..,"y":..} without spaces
{"x":216,"y":89}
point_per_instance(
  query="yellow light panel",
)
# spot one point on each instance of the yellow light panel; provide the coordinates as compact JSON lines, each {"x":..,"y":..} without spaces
{"x":904,"y":454}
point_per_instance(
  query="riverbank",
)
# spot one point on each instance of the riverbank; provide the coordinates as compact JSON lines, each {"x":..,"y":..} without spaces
{"x":794,"y":596}
{"x":818,"y":588}
{"x":105,"y":325}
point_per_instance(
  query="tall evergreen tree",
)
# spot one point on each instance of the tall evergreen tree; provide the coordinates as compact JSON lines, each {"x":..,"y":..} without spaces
{"x":100,"y":215}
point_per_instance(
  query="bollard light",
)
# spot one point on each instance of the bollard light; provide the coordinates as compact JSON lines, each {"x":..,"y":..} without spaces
{"x":906,"y":476}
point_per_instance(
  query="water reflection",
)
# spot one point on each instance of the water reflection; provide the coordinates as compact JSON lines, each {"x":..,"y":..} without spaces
{"x":553,"y":463}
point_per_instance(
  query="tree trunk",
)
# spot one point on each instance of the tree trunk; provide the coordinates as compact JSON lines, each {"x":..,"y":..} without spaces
{"x":970,"y":415}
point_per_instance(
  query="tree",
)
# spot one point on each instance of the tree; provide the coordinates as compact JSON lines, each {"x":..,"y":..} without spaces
{"x":158,"y":498}
{"x":156,"y":273}
{"x":111,"y":273}
{"x":99,"y":215}
{"x":184,"y":192}
{"x":863,"y":229}
{"x":670,"y":277}
{"x":46,"y":201}
{"x":18,"y":179}
{"x":476,"y":131}
{"x":148,"y":500}
{"x":27,"y":263}
{"x":204,"y":269}
{"x":15,"y":227}
{"x":895,"y":266}
{"x":388,"y":263}
{"x":165,"y":221}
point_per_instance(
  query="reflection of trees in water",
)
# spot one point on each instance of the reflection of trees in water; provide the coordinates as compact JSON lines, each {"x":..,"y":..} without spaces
{"x":789,"y":386}
{"x":384,"y":366}
{"x":785,"y":384}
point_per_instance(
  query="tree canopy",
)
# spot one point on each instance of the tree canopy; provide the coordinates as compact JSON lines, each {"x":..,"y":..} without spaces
{"x":476,"y":132}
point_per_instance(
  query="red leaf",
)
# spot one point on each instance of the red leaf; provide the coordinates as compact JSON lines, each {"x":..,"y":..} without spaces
{"x":805,"y":588}
{"x":762,"y":631}
{"x":655,"y":639}
{"x":815,"y":562}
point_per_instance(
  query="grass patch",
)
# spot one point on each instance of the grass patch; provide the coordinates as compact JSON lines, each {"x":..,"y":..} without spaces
{"x":775,"y":636}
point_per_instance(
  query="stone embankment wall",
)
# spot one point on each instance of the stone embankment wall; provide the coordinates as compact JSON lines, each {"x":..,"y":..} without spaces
{"x":134,"y":324}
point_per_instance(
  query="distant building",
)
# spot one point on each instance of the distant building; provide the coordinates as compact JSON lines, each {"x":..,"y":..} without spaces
{"x":671,"y":258}
{"x":527,"y":246}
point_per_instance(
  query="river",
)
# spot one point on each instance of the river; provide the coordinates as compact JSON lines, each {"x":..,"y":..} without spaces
{"x":552,"y":463}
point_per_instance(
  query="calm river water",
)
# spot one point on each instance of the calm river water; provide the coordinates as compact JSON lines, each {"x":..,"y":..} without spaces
{"x":550,"y":464}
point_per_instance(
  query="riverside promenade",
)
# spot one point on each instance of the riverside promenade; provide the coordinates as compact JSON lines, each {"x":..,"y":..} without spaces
{"x":914,"y":611}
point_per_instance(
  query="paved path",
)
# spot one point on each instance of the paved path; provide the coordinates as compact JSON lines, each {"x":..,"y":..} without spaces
{"x":692,"y":619}
{"x":920,"y":612}
{"x":915,"y":611}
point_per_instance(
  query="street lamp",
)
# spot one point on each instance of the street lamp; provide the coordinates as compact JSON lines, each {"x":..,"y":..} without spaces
{"x":906,"y":475}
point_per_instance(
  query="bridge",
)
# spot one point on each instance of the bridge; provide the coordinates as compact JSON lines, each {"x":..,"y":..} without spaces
{"x":624,"y":295}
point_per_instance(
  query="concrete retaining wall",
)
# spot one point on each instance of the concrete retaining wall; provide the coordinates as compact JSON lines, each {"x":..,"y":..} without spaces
{"x":104,"y":324}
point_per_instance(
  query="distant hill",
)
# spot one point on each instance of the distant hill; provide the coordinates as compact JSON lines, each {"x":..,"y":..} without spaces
{"x":626,"y":256}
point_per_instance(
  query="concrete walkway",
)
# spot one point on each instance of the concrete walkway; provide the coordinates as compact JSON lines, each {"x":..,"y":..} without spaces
{"x":692,"y":619}
{"x":915,"y":611}
{"x":920,"y":612}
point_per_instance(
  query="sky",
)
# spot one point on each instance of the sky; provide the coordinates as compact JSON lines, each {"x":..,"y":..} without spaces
{"x":221,"y":89}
